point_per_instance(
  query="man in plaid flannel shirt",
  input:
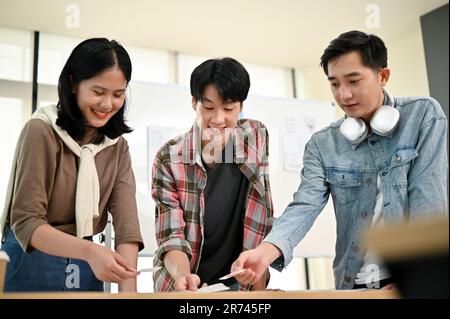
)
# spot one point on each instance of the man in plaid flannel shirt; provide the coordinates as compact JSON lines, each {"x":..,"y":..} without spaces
{"x":211,"y":185}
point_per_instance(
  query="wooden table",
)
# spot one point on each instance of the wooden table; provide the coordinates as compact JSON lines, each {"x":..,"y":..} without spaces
{"x":268,"y":294}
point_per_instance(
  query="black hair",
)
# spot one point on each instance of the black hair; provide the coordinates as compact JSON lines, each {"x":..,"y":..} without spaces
{"x":372,"y":49}
{"x":88,"y":59}
{"x":230,"y":78}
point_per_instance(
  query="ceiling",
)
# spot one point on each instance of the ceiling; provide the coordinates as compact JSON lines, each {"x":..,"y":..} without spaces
{"x":291,"y":33}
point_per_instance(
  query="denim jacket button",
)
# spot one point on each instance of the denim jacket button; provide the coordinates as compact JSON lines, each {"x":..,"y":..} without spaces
{"x":364,"y":214}
{"x":347,"y":279}
{"x":355,"y":249}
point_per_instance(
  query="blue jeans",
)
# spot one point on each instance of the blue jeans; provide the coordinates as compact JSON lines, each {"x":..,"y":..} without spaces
{"x":37,"y":271}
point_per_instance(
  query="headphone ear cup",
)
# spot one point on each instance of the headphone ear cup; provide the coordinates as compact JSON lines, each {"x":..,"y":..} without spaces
{"x":385,"y":120}
{"x":354,"y":130}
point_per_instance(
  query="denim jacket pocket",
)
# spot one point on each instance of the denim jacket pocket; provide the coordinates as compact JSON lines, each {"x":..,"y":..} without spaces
{"x":344,"y":185}
{"x":400,"y":164}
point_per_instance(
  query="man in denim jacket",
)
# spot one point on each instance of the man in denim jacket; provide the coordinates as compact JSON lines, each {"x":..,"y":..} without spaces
{"x":398,"y":174}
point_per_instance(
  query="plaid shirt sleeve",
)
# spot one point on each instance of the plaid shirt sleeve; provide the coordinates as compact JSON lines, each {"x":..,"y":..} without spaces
{"x":262,"y":145}
{"x":169,"y":220}
{"x":268,"y":192}
{"x":259,"y":211}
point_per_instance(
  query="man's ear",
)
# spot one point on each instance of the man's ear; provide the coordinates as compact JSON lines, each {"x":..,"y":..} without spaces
{"x":384,"y":76}
{"x":194,"y":103}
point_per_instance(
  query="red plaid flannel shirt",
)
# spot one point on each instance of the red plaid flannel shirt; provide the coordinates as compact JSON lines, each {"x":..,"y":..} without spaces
{"x":178,"y":181}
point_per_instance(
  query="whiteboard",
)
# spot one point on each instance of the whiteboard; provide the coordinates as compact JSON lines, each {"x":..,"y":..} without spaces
{"x":167,"y":109}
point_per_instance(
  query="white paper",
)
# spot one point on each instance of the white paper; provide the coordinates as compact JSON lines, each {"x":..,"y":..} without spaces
{"x":213,"y":288}
{"x":148,"y":269}
{"x":232,"y":274}
{"x":297,"y":131}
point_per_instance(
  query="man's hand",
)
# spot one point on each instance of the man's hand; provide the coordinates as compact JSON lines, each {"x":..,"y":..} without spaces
{"x":255,"y":262}
{"x":187,"y":282}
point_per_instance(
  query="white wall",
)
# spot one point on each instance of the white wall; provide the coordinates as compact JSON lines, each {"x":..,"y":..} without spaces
{"x":406,"y":58}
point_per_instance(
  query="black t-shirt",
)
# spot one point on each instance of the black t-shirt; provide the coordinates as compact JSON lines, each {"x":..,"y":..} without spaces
{"x":225,"y":198}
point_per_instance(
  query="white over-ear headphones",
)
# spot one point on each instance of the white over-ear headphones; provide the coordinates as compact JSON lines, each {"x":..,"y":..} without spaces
{"x":383,"y":122}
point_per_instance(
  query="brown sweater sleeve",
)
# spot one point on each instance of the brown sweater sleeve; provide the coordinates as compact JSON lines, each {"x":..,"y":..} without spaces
{"x":122,"y":202}
{"x":35,"y":168}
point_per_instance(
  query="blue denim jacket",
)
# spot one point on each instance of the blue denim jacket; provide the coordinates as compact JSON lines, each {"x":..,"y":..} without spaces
{"x":412,"y":164}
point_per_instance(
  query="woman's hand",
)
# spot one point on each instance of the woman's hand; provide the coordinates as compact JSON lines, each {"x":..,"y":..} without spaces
{"x":108,"y":265}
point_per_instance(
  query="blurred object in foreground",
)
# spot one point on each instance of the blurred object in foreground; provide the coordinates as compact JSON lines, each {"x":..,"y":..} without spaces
{"x":416,"y":254}
{"x":4,"y":259}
